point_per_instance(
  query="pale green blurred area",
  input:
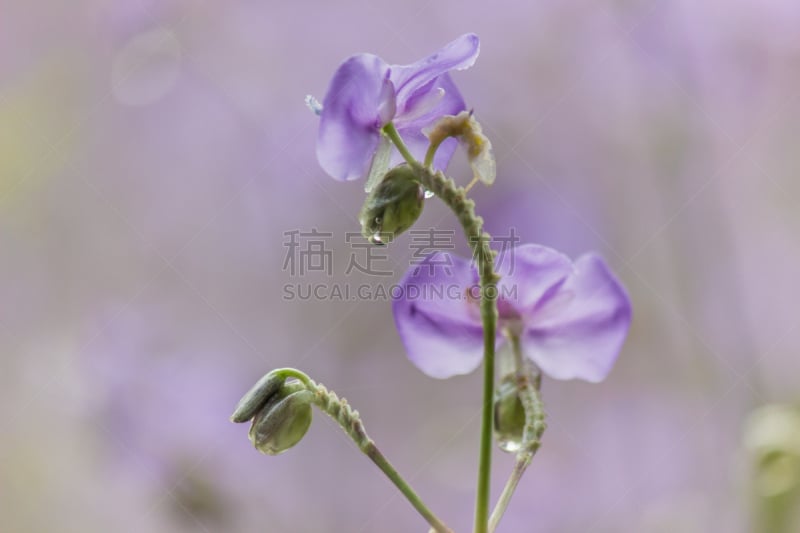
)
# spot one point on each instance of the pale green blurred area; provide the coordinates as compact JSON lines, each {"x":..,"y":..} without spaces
{"x":153,"y":153}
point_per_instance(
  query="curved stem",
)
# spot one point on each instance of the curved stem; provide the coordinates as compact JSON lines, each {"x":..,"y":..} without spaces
{"x":528,"y":386}
{"x":297,"y":374}
{"x":464,"y":208}
{"x":350,"y":421}
{"x":431,"y":153}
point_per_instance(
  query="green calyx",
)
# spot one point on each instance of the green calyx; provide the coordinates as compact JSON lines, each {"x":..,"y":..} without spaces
{"x":280,"y":412}
{"x":392,"y":206}
{"x":256,"y":397}
{"x":283,"y":421}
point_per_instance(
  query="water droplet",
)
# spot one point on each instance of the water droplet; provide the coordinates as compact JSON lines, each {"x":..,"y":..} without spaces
{"x":313,"y":104}
{"x":509,"y":445}
{"x":509,"y":415}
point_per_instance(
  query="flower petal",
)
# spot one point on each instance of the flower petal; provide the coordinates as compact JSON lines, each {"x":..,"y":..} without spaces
{"x":379,"y":165}
{"x":439,"y":326}
{"x":530,"y":274}
{"x":456,"y":55}
{"x":359,"y":101}
{"x":582,"y":336}
{"x":451,"y":103}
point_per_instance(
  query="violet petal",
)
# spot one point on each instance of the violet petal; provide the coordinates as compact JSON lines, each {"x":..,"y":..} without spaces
{"x":456,"y":55}
{"x":529,"y":275}
{"x":579,"y":332}
{"x":358,"y":102}
{"x":417,"y":142}
{"x":439,"y":326}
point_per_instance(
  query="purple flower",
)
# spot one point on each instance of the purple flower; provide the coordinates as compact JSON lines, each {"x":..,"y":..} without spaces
{"x":366,"y":93}
{"x":572,"y":318}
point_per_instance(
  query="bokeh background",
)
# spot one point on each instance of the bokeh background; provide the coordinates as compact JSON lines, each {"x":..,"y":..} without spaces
{"x":155,"y":153}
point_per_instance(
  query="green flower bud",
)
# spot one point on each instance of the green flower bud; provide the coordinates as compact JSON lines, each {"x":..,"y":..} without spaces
{"x":256,"y":397}
{"x":283,"y":420}
{"x":509,"y":415}
{"x":392,"y":206}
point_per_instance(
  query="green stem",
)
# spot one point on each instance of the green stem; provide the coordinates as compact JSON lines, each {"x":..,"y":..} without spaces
{"x":296,"y":374}
{"x":393,"y":134}
{"x":350,"y":421}
{"x":391,"y":131}
{"x":377,"y":457}
{"x":431,"y":153}
{"x":523,"y":460}
{"x":528,"y":385}
{"x":464,"y":208}
{"x":485,"y":464}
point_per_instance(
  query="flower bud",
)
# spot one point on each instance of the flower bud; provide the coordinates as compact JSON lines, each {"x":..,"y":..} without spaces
{"x":509,"y":415}
{"x":256,"y":397}
{"x":392,"y":206}
{"x":283,"y":420}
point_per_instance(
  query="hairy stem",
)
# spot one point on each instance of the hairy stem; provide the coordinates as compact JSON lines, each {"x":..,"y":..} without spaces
{"x":350,"y":421}
{"x":464,"y":208}
{"x":528,"y":386}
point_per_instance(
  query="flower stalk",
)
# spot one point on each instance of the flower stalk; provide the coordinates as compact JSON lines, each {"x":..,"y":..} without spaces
{"x":528,"y":384}
{"x":464,"y":208}
{"x":350,"y":421}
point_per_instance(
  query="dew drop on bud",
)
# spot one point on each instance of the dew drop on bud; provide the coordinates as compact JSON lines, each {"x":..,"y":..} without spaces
{"x":392,"y":205}
{"x":509,"y":415}
{"x":509,"y":445}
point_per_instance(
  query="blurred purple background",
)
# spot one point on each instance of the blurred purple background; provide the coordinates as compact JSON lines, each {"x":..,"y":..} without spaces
{"x":153,"y":155}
